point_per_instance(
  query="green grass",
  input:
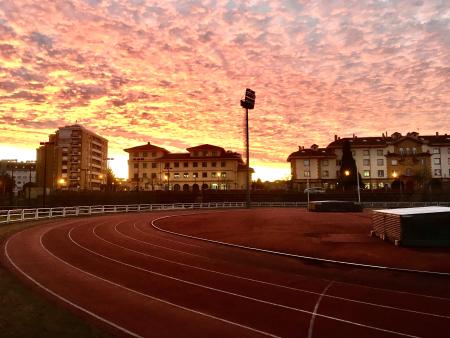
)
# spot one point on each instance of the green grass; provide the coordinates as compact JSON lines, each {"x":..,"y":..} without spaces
{"x":25,"y":313}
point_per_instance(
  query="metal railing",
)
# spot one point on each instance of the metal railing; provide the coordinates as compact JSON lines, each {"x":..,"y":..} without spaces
{"x":20,"y":215}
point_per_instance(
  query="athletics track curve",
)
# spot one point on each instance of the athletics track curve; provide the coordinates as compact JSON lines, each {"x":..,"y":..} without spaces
{"x":132,"y":280}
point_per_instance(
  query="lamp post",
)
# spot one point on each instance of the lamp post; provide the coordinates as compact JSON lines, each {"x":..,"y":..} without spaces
{"x":395,"y":175}
{"x":347,"y":173}
{"x":248,"y":103}
{"x":108,"y":160}
{"x":44,"y":195}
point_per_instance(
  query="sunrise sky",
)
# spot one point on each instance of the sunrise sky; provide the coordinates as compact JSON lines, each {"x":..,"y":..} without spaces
{"x":173,"y":72}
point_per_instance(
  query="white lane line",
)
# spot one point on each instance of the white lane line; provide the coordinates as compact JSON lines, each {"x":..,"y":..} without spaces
{"x":316,"y":307}
{"x":277,"y":253}
{"x":79,"y":307}
{"x":234,"y":294}
{"x":162,"y":238}
{"x":155,"y":298}
{"x":257,"y":280}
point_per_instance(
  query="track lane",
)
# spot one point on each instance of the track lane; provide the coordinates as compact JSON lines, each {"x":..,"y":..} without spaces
{"x":197,"y":261}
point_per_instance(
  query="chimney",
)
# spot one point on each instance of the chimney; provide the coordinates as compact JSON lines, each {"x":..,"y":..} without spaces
{"x":437,"y":133}
{"x":335,"y":137}
{"x":353,"y":136}
{"x":148,"y":143}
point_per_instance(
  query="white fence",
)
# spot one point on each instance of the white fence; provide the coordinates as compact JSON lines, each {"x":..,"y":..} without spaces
{"x":20,"y":215}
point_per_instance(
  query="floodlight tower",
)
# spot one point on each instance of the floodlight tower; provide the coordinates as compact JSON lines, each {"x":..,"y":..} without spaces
{"x":248,"y":103}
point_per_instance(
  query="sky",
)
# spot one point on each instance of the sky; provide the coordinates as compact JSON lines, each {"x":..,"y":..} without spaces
{"x":173,"y":73}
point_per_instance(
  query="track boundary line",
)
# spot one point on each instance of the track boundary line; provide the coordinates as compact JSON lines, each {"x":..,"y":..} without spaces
{"x":310,"y":258}
{"x":242,"y":296}
{"x":260,"y":281}
{"x":58,"y":296}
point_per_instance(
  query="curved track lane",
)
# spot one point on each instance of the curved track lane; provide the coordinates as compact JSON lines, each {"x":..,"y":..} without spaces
{"x":136,"y":281}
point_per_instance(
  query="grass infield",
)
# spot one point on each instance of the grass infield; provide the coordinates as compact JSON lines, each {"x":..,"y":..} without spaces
{"x":25,"y":313}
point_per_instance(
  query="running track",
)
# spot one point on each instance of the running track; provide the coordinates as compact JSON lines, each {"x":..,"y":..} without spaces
{"x":133,"y":280}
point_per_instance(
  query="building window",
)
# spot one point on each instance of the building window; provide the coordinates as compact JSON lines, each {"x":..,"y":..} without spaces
{"x":448,"y":150}
{"x":325,"y":163}
{"x":437,"y":161}
{"x":366,"y":173}
{"x":153,"y":165}
{"x":145,"y":154}
{"x":214,"y":164}
{"x":204,"y":164}
{"x":307,"y":173}
{"x":366,"y":152}
{"x":154,"y":154}
{"x":136,"y":165}
{"x":409,"y":172}
{"x":437,"y":172}
{"x":325,"y":173}
{"x":167,"y":165}
{"x":414,"y":151}
{"x":306,"y":163}
{"x":223,"y":174}
{"x":135,"y":154}
{"x":213,"y":174}
{"x":195,"y":164}
{"x":379,"y":152}
{"x":176,"y":164}
{"x":195,"y":175}
{"x":380,"y":161}
{"x":366,"y":162}
{"x":213,"y":153}
{"x":136,"y":175}
{"x":222,"y":164}
{"x":449,"y":161}
{"x":204,"y":175}
{"x":394,"y":162}
{"x":144,"y":165}
{"x":338,"y":162}
{"x":436,"y":151}
{"x":195,"y":154}
{"x":144,"y":175}
{"x":186,"y":175}
{"x":176,"y":175}
{"x":380,"y":173}
{"x":153,"y":175}
{"x":185,"y":164}
{"x":401,"y":151}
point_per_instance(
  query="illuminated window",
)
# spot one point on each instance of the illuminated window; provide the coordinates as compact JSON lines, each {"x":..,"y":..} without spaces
{"x":223,"y":174}
{"x":307,"y":174}
{"x":366,"y":173}
{"x":195,"y":175}
{"x":437,"y":172}
{"x":186,"y":175}
{"x":176,"y":175}
{"x":213,"y":174}
{"x":436,"y":151}
{"x":437,"y":161}
{"x":394,"y":162}
{"x":306,"y":163}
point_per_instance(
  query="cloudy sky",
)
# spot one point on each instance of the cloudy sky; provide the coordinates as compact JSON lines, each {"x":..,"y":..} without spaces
{"x":173,"y":72}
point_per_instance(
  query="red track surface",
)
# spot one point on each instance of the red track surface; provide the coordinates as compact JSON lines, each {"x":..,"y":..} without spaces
{"x":134,"y":280}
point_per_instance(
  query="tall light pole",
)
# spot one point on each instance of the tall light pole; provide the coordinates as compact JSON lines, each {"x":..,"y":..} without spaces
{"x":248,"y":103}
{"x":347,"y":173}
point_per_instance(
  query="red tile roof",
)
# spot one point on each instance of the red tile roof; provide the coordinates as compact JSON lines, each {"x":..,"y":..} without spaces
{"x":313,"y":153}
{"x":146,"y":147}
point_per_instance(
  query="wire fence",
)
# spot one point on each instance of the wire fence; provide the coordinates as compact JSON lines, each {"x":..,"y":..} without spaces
{"x":20,"y":215}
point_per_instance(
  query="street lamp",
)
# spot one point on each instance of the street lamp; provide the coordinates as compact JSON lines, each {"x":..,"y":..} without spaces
{"x":347,"y":173}
{"x":44,"y":195}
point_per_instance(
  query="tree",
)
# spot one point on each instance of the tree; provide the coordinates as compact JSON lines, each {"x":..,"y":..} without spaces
{"x":6,"y":184}
{"x":347,"y":174}
{"x":110,"y":180}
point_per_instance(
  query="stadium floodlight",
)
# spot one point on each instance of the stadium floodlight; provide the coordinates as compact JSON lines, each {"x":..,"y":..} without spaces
{"x":248,"y":103}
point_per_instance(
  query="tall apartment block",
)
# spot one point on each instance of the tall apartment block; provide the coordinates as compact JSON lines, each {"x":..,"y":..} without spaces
{"x":202,"y":167}
{"x":74,"y":158}
{"x":412,"y":159}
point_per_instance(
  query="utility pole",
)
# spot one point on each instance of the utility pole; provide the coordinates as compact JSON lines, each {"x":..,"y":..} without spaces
{"x":248,"y":103}
{"x":44,"y":195}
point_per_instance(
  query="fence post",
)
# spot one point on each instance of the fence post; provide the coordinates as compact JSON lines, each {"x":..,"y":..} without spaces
{"x":22,"y":216}
{"x":126,"y":208}
{"x":77,"y":211}
{"x":8,"y":216}
{"x":64,"y":212}
{"x":50,"y":213}
{"x":36,"y":213}
{"x":139,"y":208}
{"x":90,"y":210}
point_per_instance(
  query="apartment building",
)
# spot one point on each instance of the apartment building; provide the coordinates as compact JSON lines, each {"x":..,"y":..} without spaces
{"x":202,"y":167}
{"x":74,"y":158}
{"x":21,"y":172}
{"x":412,"y":159}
